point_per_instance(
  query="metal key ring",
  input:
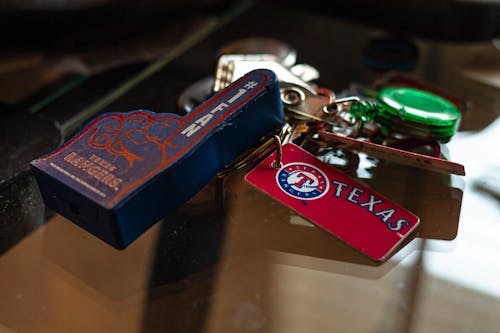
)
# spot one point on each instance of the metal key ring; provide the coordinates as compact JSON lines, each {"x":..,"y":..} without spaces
{"x":279,"y":153}
{"x":257,"y":154}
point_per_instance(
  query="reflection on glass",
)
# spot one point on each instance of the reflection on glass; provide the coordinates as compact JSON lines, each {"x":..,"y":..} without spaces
{"x":474,"y":261}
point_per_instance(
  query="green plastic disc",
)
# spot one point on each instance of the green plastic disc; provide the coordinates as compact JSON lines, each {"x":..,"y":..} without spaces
{"x":418,"y":112}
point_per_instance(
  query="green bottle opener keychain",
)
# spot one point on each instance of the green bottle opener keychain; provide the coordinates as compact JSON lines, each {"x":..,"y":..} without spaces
{"x":410,"y":111}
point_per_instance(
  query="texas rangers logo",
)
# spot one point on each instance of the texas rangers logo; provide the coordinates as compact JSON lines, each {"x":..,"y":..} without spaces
{"x":302,"y":181}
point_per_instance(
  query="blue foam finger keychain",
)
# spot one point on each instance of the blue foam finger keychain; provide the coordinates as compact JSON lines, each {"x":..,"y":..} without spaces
{"x":125,"y":171}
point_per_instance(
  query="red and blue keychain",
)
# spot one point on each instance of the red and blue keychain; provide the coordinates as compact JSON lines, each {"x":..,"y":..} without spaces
{"x":125,"y":171}
{"x":350,"y":211}
{"x":360,"y":217}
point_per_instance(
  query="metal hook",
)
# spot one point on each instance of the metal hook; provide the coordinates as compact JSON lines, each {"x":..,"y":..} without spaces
{"x":279,"y":153}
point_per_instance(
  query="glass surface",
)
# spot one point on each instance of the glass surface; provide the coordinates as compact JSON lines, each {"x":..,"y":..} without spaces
{"x":234,"y":260}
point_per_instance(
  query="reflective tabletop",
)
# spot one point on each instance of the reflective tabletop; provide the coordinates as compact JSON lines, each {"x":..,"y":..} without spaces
{"x":233,"y":259}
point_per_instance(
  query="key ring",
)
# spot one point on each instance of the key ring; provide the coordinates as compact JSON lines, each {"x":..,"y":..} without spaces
{"x":279,"y":153}
{"x":258,"y":153}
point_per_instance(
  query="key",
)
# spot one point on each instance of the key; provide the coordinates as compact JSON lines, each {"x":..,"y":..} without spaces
{"x":232,"y":66}
{"x":300,"y":110}
{"x":284,"y":53}
{"x":341,"y":127}
{"x":241,"y":56}
{"x":303,"y":106}
{"x":125,"y":171}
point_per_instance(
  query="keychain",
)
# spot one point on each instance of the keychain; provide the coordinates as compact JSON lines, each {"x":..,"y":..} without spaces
{"x":125,"y":171}
{"x":387,"y":126}
{"x":409,"y":111}
{"x":333,"y":201}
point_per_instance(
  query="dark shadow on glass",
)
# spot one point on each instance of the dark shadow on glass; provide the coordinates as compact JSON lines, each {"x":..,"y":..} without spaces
{"x":435,"y":198}
{"x":265,"y":223}
{"x":188,"y":247}
{"x":185,"y":243}
{"x":21,"y":210}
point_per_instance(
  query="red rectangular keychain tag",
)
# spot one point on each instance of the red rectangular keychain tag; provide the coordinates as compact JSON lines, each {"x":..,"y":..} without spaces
{"x":395,"y":155}
{"x":357,"y":215}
